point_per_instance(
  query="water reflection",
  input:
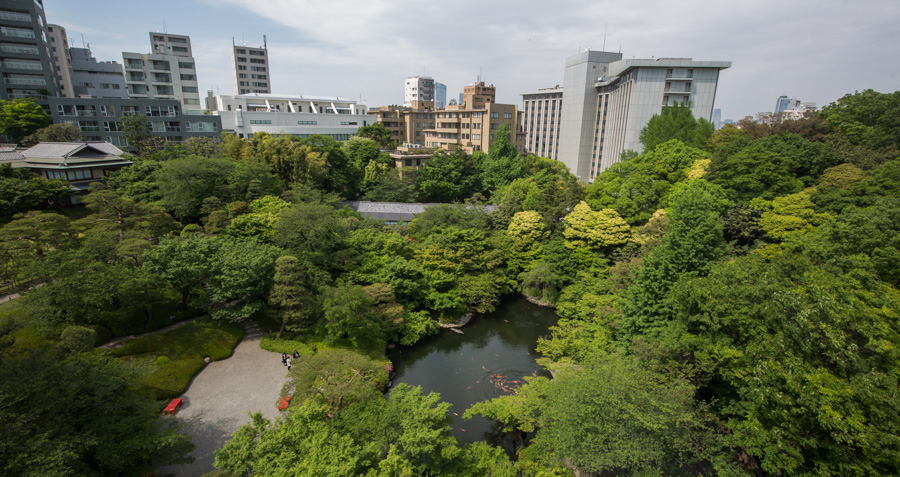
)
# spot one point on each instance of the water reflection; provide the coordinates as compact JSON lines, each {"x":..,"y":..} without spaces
{"x":461,"y":367}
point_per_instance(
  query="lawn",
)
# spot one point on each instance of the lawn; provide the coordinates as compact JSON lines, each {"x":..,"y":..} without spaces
{"x":166,"y":363}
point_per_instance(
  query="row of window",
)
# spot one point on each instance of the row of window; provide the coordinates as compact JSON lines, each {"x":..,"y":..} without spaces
{"x":75,"y":175}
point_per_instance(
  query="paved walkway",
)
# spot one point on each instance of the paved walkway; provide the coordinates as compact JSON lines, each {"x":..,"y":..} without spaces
{"x":219,"y":399}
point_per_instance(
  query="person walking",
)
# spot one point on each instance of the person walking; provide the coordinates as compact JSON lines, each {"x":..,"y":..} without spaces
{"x":289,"y":364}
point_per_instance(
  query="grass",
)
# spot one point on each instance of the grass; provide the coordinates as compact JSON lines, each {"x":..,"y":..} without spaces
{"x":184,"y":349}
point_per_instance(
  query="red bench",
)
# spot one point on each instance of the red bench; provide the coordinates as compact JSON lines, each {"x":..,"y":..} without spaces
{"x":170,"y":409}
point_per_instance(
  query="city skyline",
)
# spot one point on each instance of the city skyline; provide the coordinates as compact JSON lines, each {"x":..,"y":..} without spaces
{"x":815,"y":50}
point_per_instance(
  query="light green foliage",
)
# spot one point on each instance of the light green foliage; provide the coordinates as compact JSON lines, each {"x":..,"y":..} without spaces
{"x":597,"y":230}
{"x":541,"y":283}
{"x":676,"y":122}
{"x":841,"y":176}
{"x":21,"y":117}
{"x":638,"y":187}
{"x":615,"y":414}
{"x":416,"y":325}
{"x":80,"y":416}
{"x":260,"y":222}
{"x":549,"y":190}
{"x":790,"y":214}
{"x":527,"y":231}
{"x":291,"y":161}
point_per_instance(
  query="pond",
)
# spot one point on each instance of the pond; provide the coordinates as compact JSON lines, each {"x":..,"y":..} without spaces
{"x":489,"y":360}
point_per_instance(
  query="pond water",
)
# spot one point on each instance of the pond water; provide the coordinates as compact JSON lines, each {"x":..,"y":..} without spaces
{"x":489,"y":360}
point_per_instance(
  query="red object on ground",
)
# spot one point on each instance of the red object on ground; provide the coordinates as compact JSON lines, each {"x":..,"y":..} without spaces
{"x":283,"y":403}
{"x":170,"y":409}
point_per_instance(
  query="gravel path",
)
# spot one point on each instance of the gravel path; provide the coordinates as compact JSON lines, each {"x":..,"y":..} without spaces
{"x":221,"y":396}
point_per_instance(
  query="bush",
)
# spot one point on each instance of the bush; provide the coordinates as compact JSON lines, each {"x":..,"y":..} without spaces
{"x":285,"y":346}
{"x":77,"y":339}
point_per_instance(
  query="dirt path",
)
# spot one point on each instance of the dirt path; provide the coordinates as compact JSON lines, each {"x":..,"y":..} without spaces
{"x":221,"y":397}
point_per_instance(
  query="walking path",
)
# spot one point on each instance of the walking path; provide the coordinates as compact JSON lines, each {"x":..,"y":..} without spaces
{"x":220,"y":398}
{"x":120,"y":341}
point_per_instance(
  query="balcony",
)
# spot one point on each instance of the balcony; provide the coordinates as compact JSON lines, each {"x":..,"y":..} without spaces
{"x":26,"y":50}
{"x":22,"y":66}
{"x":28,"y":96}
{"x":29,"y":82}
{"x":85,"y":113}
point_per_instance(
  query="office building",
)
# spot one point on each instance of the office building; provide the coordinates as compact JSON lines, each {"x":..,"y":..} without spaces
{"x":418,"y":88}
{"x":608,"y":100}
{"x":100,"y":119}
{"x":793,"y":108}
{"x":289,"y":115}
{"x":717,"y":118}
{"x":96,"y":79}
{"x":167,"y":72}
{"x":440,"y":95}
{"x":26,"y":64}
{"x":62,"y":60}
{"x":542,"y":115}
{"x":251,"y":68}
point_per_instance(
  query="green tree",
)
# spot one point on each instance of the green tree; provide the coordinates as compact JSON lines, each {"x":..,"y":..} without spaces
{"x":183,"y":263}
{"x":21,"y":190}
{"x":21,"y":117}
{"x":138,"y":134}
{"x":868,"y":118}
{"x":79,"y":416}
{"x":448,"y":177}
{"x":378,"y":133}
{"x":336,"y":378}
{"x":349,"y":313}
{"x":503,"y":163}
{"x":294,"y":291}
{"x":676,"y":122}
{"x":53,"y":133}
{"x":241,"y":278}
{"x":598,"y":230}
{"x":28,"y":240}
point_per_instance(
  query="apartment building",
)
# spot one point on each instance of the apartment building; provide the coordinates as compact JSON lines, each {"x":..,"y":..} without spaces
{"x":168,"y":72}
{"x":542,"y":115}
{"x":100,"y":119}
{"x":26,"y":63}
{"x":62,"y":59}
{"x":407,"y":124}
{"x":608,"y":100}
{"x":96,"y":79}
{"x":473,"y":124}
{"x":418,"y":88}
{"x":293,"y":115}
{"x":251,"y":68}
{"x":479,"y":89}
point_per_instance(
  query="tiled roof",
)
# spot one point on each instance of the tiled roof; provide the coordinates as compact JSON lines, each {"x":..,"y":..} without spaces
{"x":394,"y":211}
{"x":71,"y":152}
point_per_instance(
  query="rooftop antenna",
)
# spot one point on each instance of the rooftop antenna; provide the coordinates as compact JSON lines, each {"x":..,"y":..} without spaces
{"x":265,"y":45}
{"x":605,"y":28}
{"x":165,"y":29}
{"x":83,"y":44}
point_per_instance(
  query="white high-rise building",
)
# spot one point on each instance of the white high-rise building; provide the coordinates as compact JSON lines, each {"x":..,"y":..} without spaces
{"x":418,"y":88}
{"x":542,"y":116}
{"x":167,"y":72}
{"x":251,"y":69}
{"x":607,"y":101}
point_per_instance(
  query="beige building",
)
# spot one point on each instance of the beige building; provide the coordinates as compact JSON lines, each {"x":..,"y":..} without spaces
{"x":62,"y":60}
{"x":470,"y":125}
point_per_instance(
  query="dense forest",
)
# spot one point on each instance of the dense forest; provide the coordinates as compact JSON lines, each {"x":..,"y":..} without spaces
{"x":728,"y":301}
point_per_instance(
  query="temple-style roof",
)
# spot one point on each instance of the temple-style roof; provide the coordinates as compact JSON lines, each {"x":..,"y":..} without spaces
{"x":395,"y":211}
{"x":56,"y":155}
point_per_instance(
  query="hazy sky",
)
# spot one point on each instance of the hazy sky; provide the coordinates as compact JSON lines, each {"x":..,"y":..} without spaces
{"x":812,"y":50}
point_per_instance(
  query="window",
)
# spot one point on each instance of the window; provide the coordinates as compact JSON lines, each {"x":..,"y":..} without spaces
{"x":476,"y":126}
{"x":348,"y":123}
{"x":189,"y":77}
{"x":179,"y":49}
{"x":507,"y":115}
{"x":17,"y":32}
{"x":494,"y":125}
{"x":260,"y":121}
{"x":257,"y":60}
{"x":476,"y":115}
{"x":241,"y":51}
{"x":495,"y":115}
{"x":242,"y":60}
{"x":185,"y":66}
{"x":88,"y":126}
{"x":258,"y":68}
{"x":307,"y":123}
{"x":242,"y":68}
{"x":257,"y":76}
{"x":189,"y":89}
{"x":112,"y":126}
{"x":15,"y":16}
{"x":257,"y":53}
{"x":476,"y":137}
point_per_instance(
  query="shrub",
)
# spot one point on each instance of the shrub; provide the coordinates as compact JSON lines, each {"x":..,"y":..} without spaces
{"x":285,"y":346}
{"x":77,"y":339}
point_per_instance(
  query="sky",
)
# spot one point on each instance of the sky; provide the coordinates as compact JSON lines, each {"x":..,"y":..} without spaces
{"x":812,"y":50}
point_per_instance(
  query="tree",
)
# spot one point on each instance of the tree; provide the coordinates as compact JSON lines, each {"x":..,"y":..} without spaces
{"x":866,"y":118}
{"x":349,"y":313}
{"x":78,"y":415}
{"x":448,"y":177}
{"x":53,"y":133}
{"x":503,"y":163}
{"x":27,"y":241}
{"x":138,"y":134}
{"x":336,"y":378}
{"x":378,"y":133}
{"x":240,"y":279}
{"x":21,"y":190}
{"x":615,"y":414}
{"x":294,"y":291}
{"x":676,"y":122}
{"x":183,"y":263}
{"x":21,"y":117}
{"x":600,"y":230}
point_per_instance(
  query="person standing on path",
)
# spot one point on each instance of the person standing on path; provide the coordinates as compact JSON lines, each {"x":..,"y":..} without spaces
{"x":284,"y":358}
{"x":289,"y":364}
